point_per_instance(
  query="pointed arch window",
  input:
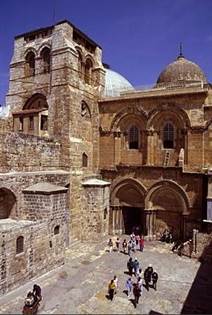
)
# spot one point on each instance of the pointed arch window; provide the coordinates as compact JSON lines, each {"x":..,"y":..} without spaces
{"x":88,"y":71}
{"x":133,"y":137}
{"x":30,"y":64}
{"x":45,"y":55}
{"x":168,"y":136}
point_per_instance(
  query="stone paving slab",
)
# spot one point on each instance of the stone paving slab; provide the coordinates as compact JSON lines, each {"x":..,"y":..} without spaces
{"x":80,"y":286}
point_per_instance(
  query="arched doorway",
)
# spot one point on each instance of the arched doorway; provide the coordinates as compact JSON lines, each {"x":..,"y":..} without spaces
{"x":168,"y":207}
{"x":127,"y":208}
{"x":7,"y":203}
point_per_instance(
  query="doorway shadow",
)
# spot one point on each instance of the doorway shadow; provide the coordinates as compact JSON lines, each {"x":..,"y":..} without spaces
{"x":199,"y":298}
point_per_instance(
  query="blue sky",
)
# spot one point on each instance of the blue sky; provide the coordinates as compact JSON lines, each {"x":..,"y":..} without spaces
{"x":139,"y":37}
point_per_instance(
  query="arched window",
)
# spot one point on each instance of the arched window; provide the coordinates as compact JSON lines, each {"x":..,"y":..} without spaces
{"x":37,"y":101}
{"x":80,"y":64}
{"x":133,"y":138}
{"x":46,"y":59}
{"x":56,"y":229}
{"x":30,"y":64}
{"x":168,"y":136}
{"x":19,"y":244}
{"x":88,"y":71}
{"x":84,"y":160}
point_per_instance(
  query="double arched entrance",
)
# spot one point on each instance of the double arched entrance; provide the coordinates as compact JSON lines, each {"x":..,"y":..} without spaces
{"x":148,"y":211}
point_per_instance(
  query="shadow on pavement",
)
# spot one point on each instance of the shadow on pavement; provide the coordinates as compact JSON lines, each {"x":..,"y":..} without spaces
{"x":199,"y":298}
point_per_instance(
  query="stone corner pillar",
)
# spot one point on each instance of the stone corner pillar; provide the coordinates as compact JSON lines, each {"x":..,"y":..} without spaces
{"x":95,"y":218}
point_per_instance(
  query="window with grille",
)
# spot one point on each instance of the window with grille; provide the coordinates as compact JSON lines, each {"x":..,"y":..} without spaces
{"x":133,"y":138}
{"x":19,"y":244}
{"x":168,"y":136}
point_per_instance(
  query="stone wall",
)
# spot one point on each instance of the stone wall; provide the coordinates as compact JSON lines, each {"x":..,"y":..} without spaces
{"x":45,"y":236}
{"x":17,"y":182}
{"x":20,"y":152}
{"x":42,"y":251}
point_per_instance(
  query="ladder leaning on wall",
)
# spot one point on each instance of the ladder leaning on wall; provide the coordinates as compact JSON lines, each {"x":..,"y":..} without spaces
{"x":166,"y":158}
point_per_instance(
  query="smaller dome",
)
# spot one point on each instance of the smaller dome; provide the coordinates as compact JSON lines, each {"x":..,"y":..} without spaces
{"x":115,"y":83}
{"x":181,"y":71}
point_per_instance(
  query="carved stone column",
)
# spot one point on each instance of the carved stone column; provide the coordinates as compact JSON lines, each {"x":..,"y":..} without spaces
{"x":150,"y":146}
{"x":116,"y":223}
{"x":150,"y":219}
{"x":117,"y":149}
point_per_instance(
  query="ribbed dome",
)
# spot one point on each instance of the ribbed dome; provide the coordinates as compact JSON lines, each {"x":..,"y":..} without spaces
{"x":115,"y":83}
{"x":181,"y":71}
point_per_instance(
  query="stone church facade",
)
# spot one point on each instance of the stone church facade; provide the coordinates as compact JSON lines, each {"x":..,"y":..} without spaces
{"x":83,"y":154}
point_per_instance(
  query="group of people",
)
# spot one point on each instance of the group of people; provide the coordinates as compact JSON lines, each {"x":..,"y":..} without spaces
{"x":136,"y":242}
{"x":32,"y":300}
{"x":167,"y":236}
{"x":134,"y":283}
{"x":150,"y":277}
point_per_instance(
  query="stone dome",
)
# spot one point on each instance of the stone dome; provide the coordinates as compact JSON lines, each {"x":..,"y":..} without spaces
{"x":115,"y":83}
{"x":181,"y":71}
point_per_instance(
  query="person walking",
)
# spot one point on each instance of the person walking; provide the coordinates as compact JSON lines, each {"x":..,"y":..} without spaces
{"x":37,"y":292}
{"x":111,"y":289}
{"x":128,"y":286}
{"x":132,"y":236}
{"x":117,"y":244}
{"x":110,"y":245}
{"x":148,"y":276}
{"x":139,"y":273}
{"x":115,"y":279}
{"x":140,"y":284}
{"x":136,"y":266}
{"x":154,"y":279}
{"x":133,"y":245}
{"x":141,"y":243}
{"x":129,"y":247}
{"x":137,"y":239}
{"x":130,"y":266}
{"x":136,"y":293}
{"x":124,"y":246}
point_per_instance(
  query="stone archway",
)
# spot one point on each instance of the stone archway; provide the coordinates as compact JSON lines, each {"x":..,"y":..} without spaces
{"x":127,"y":208}
{"x":168,"y":208}
{"x":7,"y":203}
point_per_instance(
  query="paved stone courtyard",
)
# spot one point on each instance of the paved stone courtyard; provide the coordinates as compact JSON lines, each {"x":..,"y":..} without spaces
{"x":80,"y":286}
